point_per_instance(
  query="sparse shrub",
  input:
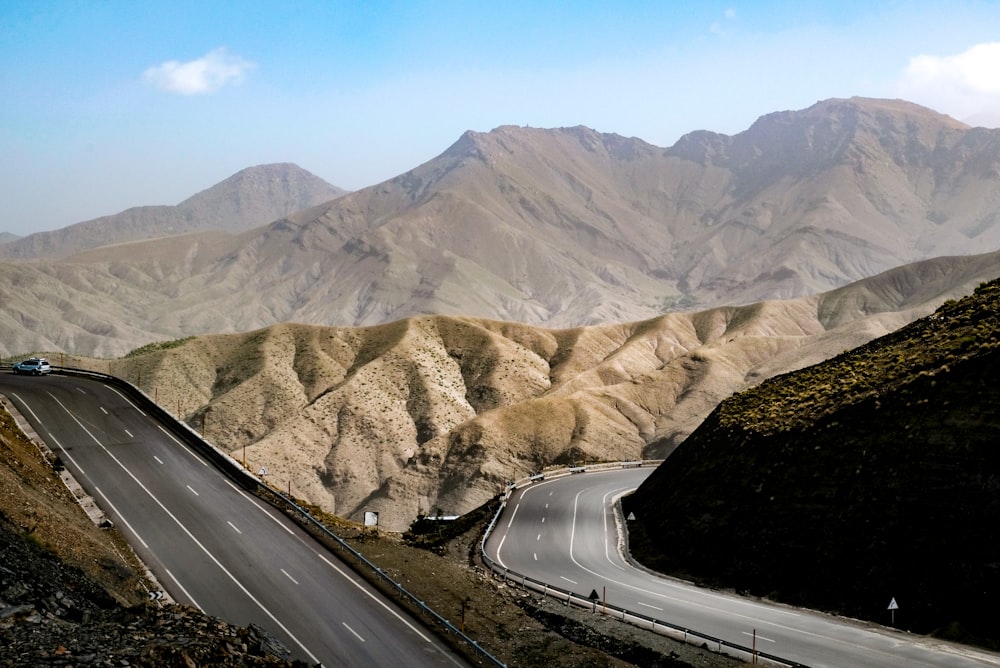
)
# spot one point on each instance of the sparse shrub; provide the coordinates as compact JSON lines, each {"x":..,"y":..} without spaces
{"x":158,"y":345}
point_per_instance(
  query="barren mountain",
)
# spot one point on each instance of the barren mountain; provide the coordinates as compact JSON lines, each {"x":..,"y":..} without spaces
{"x":250,"y":198}
{"x":561,"y":228}
{"x":439,"y":412}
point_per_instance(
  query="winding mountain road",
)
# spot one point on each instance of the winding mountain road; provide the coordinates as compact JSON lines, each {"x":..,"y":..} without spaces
{"x":210,"y":544}
{"x":564,"y":532}
{"x":217,"y":548}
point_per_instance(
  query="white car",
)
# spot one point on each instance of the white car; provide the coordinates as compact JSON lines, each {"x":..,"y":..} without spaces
{"x":34,"y":366}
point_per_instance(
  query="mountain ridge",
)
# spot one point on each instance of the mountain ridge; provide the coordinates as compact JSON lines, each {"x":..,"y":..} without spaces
{"x":557,"y":227}
{"x":441,"y":411}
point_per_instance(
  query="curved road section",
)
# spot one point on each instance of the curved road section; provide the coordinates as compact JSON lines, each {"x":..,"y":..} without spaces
{"x":565,"y":532}
{"x":210,"y":544}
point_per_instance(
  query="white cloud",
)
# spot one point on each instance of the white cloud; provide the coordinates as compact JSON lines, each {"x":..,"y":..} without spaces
{"x":965,"y":86}
{"x":722,"y":29}
{"x":205,"y":75}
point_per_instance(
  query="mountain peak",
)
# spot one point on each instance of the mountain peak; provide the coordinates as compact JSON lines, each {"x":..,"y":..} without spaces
{"x":571,"y":226}
{"x":829,"y":132}
{"x":250,"y":198}
{"x":257,"y":195}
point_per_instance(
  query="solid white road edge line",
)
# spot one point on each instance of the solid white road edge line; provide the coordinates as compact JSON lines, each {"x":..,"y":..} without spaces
{"x":258,"y":506}
{"x":189,"y":534}
{"x":373,"y":597}
{"x":121,"y":517}
{"x":184,"y":591}
{"x":186,"y":449}
{"x":127,"y":400}
{"x":708,"y":607}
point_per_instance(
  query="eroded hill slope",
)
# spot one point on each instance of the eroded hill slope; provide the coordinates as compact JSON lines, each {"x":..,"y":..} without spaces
{"x":439,"y":413}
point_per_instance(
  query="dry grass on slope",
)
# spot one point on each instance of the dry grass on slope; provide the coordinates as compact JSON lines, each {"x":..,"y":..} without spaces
{"x":438,"y":413}
{"x":956,"y":332}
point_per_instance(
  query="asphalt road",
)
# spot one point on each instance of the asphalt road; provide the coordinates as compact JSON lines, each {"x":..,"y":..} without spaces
{"x":563,"y":531}
{"x":210,"y":544}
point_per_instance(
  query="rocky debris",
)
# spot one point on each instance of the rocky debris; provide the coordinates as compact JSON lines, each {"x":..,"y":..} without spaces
{"x":52,"y":614}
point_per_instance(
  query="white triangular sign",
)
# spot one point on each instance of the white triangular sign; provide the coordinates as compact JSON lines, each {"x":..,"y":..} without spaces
{"x":893,"y":605}
{"x":631,"y":516}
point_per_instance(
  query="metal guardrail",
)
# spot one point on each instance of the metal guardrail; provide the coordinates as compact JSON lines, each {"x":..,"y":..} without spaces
{"x":662,"y":627}
{"x":240,"y":475}
{"x":234,"y":470}
{"x":403,"y":593}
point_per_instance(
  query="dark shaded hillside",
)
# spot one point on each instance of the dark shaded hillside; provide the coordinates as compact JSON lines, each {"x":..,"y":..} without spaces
{"x":871,"y":476}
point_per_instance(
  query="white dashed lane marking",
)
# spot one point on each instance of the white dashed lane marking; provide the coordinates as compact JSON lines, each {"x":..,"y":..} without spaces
{"x":356,"y":635}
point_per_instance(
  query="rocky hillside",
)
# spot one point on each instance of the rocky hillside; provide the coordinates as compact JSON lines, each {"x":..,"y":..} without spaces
{"x":872,"y":476}
{"x":440,"y":412}
{"x":553,"y":227}
{"x":250,"y":198}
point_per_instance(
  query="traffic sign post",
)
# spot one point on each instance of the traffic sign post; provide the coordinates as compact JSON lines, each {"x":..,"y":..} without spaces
{"x":893,"y":607}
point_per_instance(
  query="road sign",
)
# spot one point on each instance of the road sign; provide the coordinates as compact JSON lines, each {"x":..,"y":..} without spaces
{"x":631,"y":516}
{"x":594,"y":598}
{"x":893,"y":605}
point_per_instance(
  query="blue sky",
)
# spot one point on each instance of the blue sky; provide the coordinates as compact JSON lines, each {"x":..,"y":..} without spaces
{"x":108,"y":105}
